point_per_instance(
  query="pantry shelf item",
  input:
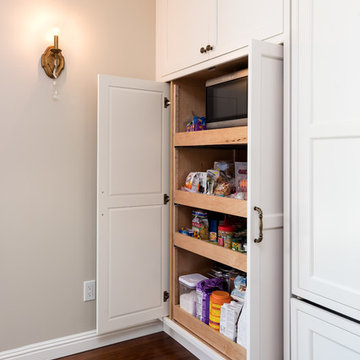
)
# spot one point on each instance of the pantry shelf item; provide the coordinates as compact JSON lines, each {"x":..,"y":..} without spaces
{"x":206,"y":333}
{"x":225,"y":235}
{"x":230,"y":136}
{"x":217,"y":299}
{"x":187,"y":286}
{"x":212,"y":251}
{"x":200,"y":224}
{"x":212,"y":202}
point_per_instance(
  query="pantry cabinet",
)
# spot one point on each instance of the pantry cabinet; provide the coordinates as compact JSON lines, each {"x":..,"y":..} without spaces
{"x":190,"y":33}
{"x":136,"y":225}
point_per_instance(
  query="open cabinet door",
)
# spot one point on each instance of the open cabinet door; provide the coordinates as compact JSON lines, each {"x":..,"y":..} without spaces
{"x":132,"y":219}
{"x":265,"y":258}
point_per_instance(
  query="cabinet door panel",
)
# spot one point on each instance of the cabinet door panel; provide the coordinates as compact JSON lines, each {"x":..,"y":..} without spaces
{"x":239,"y":21}
{"x":326,"y":139}
{"x":186,"y":24}
{"x":265,"y":191}
{"x":133,"y":222}
{"x":318,"y":335}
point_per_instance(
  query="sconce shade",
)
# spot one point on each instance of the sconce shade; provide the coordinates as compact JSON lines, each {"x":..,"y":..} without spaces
{"x":48,"y":62}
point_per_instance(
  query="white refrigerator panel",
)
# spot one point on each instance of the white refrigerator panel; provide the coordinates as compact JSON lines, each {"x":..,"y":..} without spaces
{"x":320,"y":335}
{"x":325,"y":149}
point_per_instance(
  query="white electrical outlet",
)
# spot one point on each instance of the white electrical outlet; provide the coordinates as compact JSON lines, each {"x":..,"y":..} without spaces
{"x":89,"y":290}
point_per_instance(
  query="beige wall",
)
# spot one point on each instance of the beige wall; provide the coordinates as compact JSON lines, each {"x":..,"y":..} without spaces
{"x":48,"y":155}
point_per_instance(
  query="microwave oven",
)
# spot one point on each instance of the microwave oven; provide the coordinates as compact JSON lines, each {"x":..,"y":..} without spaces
{"x":227,"y":100}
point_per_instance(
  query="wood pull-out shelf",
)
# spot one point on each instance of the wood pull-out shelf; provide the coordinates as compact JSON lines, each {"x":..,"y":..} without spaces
{"x":211,"y":202}
{"x":229,"y":136}
{"x":218,"y":341}
{"x":214,"y":252}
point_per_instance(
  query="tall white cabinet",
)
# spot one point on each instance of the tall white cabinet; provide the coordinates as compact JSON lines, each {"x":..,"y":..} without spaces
{"x":325,"y":174}
{"x":134,"y":231}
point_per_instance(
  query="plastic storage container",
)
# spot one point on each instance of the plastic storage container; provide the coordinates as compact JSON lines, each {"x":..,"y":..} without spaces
{"x":187,"y":286}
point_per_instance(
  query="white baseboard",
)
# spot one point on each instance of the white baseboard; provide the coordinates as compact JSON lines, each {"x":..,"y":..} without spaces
{"x":190,"y":342}
{"x":73,"y":344}
{"x":89,"y":340}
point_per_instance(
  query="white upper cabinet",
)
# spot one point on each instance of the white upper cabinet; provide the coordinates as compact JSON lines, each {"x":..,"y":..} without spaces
{"x":193,"y":32}
{"x":239,"y":21}
{"x":184,"y":30}
{"x":325,"y":151}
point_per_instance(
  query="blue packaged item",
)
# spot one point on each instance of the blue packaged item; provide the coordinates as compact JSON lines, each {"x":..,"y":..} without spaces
{"x":239,"y":287}
{"x":213,"y":230}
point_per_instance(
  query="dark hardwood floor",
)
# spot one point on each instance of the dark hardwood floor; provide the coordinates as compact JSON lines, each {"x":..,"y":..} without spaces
{"x":159,"y":346}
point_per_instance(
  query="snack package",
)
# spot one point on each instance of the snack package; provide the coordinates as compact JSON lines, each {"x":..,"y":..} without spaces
{"x":200,"y":224}
{"x":226,"y":169}
{"x":203,"y":184}
{"x":242,"y":326}
{"x":239,"y":288}
{"x":192,"y":182}
{"x":228,"y":319}
{"x":204,"y":289}
{"x":212,"y":177}
{"x":241,"y":178}
{"x":223,"y":188}
{"x":197,"y":123}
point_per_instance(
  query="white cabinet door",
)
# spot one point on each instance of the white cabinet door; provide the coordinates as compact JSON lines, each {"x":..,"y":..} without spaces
{"x":133,"y":222}
{"x":184,"y":28}
{"x":326,"y":146}
{"x":265,"y":148}
{"x":239,"y":21}
{"x":320,"y":335}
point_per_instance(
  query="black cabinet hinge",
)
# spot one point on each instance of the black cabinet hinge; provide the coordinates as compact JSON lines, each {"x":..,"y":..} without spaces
{"x":166,"y":199}
{"x":166,"y":296}
{"x":167,"y":102}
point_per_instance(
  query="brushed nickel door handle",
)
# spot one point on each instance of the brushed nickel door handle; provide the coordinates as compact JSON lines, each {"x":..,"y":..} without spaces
{"x":260,"y":238}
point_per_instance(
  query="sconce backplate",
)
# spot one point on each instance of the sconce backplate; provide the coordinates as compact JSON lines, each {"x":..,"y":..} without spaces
{"x":48,"y":62}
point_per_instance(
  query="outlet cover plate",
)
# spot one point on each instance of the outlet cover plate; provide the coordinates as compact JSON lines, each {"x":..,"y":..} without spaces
{"x":89,"y":290}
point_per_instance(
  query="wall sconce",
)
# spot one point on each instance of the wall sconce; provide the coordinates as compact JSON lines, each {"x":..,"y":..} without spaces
{"x":52,"y":60}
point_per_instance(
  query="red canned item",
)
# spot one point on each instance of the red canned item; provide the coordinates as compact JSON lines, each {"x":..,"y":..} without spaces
{"x":225,"y":233}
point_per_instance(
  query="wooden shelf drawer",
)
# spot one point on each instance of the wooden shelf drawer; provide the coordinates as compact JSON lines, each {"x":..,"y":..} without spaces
{"x":220,"y":254}
{"x":211,"y":202}
{"x":218,"y":341}
{"x":229,"y":136}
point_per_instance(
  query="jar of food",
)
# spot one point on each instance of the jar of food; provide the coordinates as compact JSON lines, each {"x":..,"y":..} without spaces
{"x":217,"y":299}
{"x":225,"y":235}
